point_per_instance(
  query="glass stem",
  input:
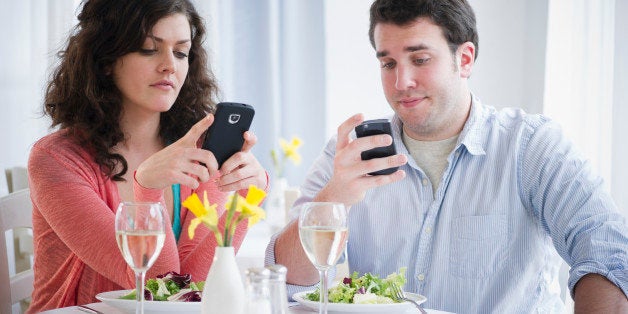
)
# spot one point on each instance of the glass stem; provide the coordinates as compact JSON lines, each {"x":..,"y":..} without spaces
{"x":139,"y":283}
{"x":322,"y":309}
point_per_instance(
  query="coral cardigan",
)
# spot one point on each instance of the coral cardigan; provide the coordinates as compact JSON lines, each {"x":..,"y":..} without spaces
{"x":76,"y":254}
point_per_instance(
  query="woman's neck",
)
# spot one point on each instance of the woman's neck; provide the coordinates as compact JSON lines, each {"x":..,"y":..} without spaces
{"x":141,"y":131}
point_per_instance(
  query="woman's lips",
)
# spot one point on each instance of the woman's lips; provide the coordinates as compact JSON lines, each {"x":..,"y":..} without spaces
{"x":163,"y":85}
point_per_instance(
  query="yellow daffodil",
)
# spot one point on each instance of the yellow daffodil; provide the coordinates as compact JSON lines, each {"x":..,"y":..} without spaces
{"x":245,"y":207}
{"x":204,"y":213}
{"x":249,"y":207}
{"x":289,"y":151}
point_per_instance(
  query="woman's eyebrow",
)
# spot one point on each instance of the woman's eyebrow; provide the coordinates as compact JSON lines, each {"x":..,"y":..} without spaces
{"x":158,"y":39}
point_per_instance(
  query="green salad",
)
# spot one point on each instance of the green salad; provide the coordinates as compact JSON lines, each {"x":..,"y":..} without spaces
{"x":366,"y":289}
{"x":170,"y":286}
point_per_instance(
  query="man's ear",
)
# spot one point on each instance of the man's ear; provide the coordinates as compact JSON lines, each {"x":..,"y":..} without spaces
{"x":466,"y":53}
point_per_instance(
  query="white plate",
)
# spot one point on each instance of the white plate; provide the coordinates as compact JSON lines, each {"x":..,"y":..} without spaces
{"x":361,"y":308}
{"x":128,"y":306}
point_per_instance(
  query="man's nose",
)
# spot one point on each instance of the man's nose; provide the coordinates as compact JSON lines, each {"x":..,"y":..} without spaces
{"x":405,"y":78}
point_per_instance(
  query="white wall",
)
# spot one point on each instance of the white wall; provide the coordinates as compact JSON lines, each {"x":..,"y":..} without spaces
{"x":352,"y":72}
{"x":619,"y":180}
{"x":509,"y":71}
{"x":27,"y":52}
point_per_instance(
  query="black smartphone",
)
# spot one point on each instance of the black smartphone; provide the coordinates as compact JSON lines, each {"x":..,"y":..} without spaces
{"x":374,"y":127}
{"x":225,"y":136}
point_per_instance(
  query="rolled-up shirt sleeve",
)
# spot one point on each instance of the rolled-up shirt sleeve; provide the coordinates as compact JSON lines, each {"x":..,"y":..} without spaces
{"x":574,"y":206}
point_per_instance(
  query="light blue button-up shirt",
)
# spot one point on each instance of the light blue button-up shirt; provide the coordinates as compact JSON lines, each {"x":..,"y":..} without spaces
{"x":515,"y":195}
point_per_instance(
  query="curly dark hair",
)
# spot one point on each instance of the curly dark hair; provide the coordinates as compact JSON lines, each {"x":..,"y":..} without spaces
{"x":455,"y":17}
{"x":82,"y":97}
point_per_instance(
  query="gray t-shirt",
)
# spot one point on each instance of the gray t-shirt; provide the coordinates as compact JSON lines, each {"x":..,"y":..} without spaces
{"x":431,"y":156}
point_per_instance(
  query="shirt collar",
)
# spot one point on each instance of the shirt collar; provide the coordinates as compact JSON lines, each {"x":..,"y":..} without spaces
{"x":470,"y":137}
{"x":472,"y":132}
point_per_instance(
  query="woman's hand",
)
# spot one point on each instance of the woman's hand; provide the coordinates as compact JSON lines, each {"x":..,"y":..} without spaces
{"x":242,"y":169}
{"x":180,"y":162}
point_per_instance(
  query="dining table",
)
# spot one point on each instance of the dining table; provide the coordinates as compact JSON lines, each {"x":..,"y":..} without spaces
{"x":293,"y":308}
{"x":251,"y":254}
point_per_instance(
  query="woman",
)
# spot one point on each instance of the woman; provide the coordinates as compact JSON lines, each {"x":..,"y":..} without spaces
{"x":131,"y":97}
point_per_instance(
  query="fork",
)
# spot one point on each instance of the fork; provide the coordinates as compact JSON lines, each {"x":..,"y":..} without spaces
{"x":400,"y":295}
{"x":88,"y":309}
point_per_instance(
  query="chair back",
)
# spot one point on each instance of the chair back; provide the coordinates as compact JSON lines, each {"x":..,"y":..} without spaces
{"x":15,"y":212}
{"x":17,"y":178}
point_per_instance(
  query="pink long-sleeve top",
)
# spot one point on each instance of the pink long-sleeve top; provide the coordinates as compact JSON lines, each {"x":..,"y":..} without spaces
{"x":74,"y":205}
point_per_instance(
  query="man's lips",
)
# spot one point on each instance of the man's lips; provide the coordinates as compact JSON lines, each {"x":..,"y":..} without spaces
{"x":410,"y":101}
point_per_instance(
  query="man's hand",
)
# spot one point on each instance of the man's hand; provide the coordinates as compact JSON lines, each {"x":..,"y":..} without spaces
{"x":348,"y":185}
{"x":350,"y":179}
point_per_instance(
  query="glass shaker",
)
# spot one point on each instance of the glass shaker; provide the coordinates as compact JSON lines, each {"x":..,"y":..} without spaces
{"x":257,"y":291}
{"x":277,"y":285}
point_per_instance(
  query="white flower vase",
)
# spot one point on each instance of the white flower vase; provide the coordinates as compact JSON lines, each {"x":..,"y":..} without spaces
{"x":275,"y":205}
{"x":223,"y":291}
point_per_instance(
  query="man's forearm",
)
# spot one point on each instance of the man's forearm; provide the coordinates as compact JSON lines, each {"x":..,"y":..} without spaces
{"x":596,"y":294}
{"x":290,"y":253}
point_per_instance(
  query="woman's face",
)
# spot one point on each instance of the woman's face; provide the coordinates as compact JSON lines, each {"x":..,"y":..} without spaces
{"x":151,"y":78}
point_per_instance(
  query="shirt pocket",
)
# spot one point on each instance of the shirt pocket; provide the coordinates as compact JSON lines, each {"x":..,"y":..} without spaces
{"x":478,"y":245}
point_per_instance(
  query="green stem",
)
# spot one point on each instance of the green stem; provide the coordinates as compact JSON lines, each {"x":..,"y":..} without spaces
{"x":228,"y":223}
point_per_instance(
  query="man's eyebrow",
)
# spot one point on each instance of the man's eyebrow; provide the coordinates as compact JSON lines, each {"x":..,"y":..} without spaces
{"x":380,"y":54}
{"x":416,"y":48}
{"x":383,"y":53}
{"x":158,"y":39}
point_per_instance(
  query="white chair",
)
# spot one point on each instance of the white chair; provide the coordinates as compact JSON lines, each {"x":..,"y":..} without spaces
{"x":15,"y":212}
{"x":20,"y":251}
{"x":17,"y":178}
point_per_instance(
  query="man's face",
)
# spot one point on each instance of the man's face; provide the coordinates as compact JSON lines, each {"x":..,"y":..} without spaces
{"x":424,"y":83}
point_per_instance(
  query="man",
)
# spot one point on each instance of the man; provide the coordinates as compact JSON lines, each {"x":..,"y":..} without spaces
{"x":483,"y":199}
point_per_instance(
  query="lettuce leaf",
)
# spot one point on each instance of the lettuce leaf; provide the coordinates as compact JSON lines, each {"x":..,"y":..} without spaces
{"x":369,"y":287}
{"x":169,"y":284}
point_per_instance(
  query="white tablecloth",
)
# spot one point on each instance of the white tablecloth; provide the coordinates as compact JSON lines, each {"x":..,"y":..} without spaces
{"x":104,"y":308}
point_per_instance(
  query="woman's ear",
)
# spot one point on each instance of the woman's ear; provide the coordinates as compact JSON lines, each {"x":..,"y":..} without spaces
{"x":466,"y":53}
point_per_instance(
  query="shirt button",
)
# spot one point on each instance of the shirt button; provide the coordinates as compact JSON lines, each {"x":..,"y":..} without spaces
{"x":428,"y":230}
{"x":420,"y":277}
{"x":425,"y":182}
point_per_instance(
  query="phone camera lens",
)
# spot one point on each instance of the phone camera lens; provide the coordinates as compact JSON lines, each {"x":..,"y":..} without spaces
{"x":234,"y":118}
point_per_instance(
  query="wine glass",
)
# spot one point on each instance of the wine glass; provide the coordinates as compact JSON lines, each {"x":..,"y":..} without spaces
{"x":323,"y":232}
{"x":140,"y":233}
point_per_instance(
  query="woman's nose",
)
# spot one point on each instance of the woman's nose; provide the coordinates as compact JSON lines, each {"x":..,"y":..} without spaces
{"x":168,"y":64}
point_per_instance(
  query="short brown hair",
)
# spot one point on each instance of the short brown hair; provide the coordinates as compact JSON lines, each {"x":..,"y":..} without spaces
{"x":454,"y":17}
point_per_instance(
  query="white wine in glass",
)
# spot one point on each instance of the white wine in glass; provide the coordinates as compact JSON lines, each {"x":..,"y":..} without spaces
{"x":140,"y":232}
{"x":323,"y":232}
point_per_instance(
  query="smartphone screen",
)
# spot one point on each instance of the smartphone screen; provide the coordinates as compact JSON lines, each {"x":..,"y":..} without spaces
{"x":374,"y":127}
{"x":225,"y":136}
